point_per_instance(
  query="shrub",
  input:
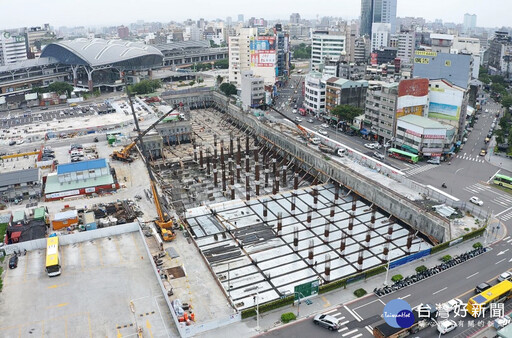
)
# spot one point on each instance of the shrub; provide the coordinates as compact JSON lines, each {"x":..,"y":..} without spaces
{"x":376,"y":271}
{"x":477,"y":245}
{"x":268,"y":306}
{"x":439,"y":247}
{"x":421,"y":268}
{"x":466,"y":229}
{"x":360,"y":292}
{"x":397,"y":278}
{"x":288,"y":317}
{"x":446,"y":258}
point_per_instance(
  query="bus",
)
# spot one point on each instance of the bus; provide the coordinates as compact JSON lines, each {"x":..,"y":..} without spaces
{"x":403,"y":155}
{"x":52,"y":256}
{"x":503,"y":181}
{"x":499,"y":293}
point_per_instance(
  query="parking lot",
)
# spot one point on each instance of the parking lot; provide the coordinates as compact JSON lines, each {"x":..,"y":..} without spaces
{"x":107,"y":289}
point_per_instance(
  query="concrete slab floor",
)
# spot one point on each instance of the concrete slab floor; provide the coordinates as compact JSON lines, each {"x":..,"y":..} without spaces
{"x":91,"y":298}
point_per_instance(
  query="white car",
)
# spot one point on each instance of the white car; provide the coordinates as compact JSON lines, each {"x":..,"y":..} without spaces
{"x":505,"y":276}
{"x":324,"y":125}
{"x":378,"y":155}
{"x":323,"y":132}
{"x":294,"y":111}
{"x":370,"y":145}
{"x":476,"y":200}
{"x":316,"y":140}
{"x":298,"y":119}
{"x":311,"y":121}
{"x":452,"y":304}
{"x":446,"y":326}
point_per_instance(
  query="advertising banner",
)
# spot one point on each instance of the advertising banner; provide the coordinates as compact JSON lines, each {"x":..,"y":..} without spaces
{"x":263,"y":51}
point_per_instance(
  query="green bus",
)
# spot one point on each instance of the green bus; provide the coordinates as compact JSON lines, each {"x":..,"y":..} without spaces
{"x":503,"y":181}
{"x":403,"y":155}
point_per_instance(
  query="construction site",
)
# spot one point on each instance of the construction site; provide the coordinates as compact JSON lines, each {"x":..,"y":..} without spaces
{"x":265,"y":218}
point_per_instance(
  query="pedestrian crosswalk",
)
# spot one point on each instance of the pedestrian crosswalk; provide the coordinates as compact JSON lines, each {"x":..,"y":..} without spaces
{"x":416,"y":169}
{"x":506,"y":217}
{"x":342,"y":322}
{"x":469,"y":157}
{"x":498,"y":198}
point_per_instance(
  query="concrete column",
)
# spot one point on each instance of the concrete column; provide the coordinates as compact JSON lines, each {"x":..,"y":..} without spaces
{"x":231,"y":147}
{"x":274,"y":166}
{"x":311,"y":252}
{"x":265,"y":211}
{"x":295,"y":239}
{"x":247,"y":145}
{"x":224,"y":180}
{"x":284,"y":175}
{"x":247,"y":167}
{"x":326,"y":231}
{"x":276,"y":185}
{"x":222,"y":159}
{"x":247,"y":187}
{"x":239,"y":148}
{"x":315,"y":198}
{"x":308,"y":219}
{"x":343,"y":243}
{"x":296,"y":180}
{"x":201,"y":164}
{"x":195,"y":152}
{"x":215,"y":146}
{"x":267,"y":171}
{"x":232,"y":192}
{"x":215,"y":183}
{"x":327,"y":270}
{"x":208,"y":165}
{"x":360,"y":258}
{"x":238,"y":169}
{"x":410,"y":237}
{"x":292,"y":201}
{"x":279,"y":224}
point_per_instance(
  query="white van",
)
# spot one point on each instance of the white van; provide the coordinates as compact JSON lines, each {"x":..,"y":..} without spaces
{"x":342,"y":152}
{"x":316,"y":140}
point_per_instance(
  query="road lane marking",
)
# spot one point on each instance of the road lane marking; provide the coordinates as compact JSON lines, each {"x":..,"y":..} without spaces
{"x":349,"y":332}
{"x":352,"y":313}
{"x":369,"y":328}
{"x":440,"y":290}
{"x":476,"y":273}
{"x":502,"y":252}
{"x":498,"y":262}
{"x":504,"y":211}
{"x":326,"y":302}
{"x":344,"y":323}
{"x":331,"y":311}
{"x":510,"y":240}
{"x":357,"y":335}
{"x":404,"y":296}
{"x":343,"y":329}
{"x":373,"y":301}
{"x":493,"y":177}
{"x":58,"y":305}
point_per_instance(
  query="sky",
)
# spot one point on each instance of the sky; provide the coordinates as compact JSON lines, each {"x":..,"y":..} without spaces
{"x":13,"y":14}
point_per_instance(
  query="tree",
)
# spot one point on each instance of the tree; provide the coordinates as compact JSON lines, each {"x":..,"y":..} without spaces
{"x":222,"y":64}
{"x":506,"y":102}
{"x":228,"y":89}
{"x":144,"y":87}
{"x":60,"y":88}
{"x":346,"y":112}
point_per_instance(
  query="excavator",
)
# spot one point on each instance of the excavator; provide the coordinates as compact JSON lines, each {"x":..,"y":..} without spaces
{"x":124,"y":154}
{"x":164,"y":222}
{"x":304,"y":133}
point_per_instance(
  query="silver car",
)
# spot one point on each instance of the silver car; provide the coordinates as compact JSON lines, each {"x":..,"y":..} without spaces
{"x":327,"y":321}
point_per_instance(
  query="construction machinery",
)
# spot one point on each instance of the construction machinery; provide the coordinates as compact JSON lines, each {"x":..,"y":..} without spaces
{"x":124,"y":154}
{"x":164,"y":222}
{"x":304,"y":133}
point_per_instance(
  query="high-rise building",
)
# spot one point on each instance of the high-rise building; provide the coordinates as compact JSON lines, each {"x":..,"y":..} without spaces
{"x":123,"y":32}
{"x":406,"y":46}
{"x":326,"y":45}
{"x":12,"y":48}
{"x":377,"y":11}
{"x":380,"y":35}
{"x":229,"y":21}
{"x":380,"y":108}
{"x":295,"y":18}
{"x":240,"y":18}
{"x":469,"y":23}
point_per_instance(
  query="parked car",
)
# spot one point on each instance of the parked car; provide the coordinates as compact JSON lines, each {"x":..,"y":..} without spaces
{"x":476,"y":200}
{"x":323,"y":132}
{"x":298,"y":119}
{"x":324,"y":125}
{"x":446,"y":326}
{"x":434,"y":161}
{"x":372,"y":145}
{"x":294,"y":111}
{"x":316,"y":140}
{"x":311,"y":121}
{"x":11,"y":143}
{"x":13,"y":262}
{"x":482,"y":287}
{"x":327,"y":321}
{"x":505,"y":276}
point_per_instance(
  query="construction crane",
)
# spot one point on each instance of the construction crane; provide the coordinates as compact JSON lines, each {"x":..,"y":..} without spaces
{"x":304,"y":133}
{"x":164,"y":222}
{"x":124,"y":154}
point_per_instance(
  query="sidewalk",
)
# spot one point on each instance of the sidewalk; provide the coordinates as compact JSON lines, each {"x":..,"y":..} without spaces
{"x":333,"y":299}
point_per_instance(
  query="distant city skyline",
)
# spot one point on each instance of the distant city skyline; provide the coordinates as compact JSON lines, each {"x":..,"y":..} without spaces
{"x":491,"y":13}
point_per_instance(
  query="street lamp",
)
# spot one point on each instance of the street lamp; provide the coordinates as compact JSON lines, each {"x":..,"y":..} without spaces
{"x":257,"y":305}
{"x":387,"y":273}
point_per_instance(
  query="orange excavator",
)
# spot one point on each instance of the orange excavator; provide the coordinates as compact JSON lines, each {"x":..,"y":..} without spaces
{"x":304,"y":133}
{"x":124,"y":154}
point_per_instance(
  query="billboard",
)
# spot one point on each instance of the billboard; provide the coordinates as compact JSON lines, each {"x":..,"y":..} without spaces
{"x":373,"y":59}
{"x":263,"y":51}
{"x":445,"y":104}
{"x":412,"y":97}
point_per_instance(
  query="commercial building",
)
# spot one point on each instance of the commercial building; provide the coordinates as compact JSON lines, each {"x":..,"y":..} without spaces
{"x":455,"y":68}
{"x":253,"y":90}
{"x":377,"y":11}
{"x":381,"y":104}
{"x":80,"y":178}
{"x":362,"y":49}
{"x":342,"y":91}
{"x":448,"y":104}
{"x":326,"y":45}
{"x":406,"y":46}
{"x":423,"y":136}
{"x":123,"y":32}
{"x":314,"y":92}
{"x":190,"y":52}
{"x":36,"y":37}
{"x":295,"y":18}
{"x":20,"y":184}
{"x":413,"y":97}
{"x":381,"y":33}
{"x":13,"y":48}
{"x":384,"y":56}
{"x":469,"y":25}
{"x":252,"y":50}
{"x":500,"y":54}
{"x":441,"y":43}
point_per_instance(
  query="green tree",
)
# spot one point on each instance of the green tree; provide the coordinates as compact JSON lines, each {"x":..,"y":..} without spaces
{"x":302,"y":52}
{"x":228,"y":89}
{"x":499,"y":88}
{"x":60,"y":88}
{"x":213,"y":44}
{"x":346,"y":112}
{"x":144,"y":87}
{"x":222,"y":64}
{"x":506,"y":102}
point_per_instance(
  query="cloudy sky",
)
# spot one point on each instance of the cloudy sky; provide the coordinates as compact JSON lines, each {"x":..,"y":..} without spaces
{"x":491,"y":13}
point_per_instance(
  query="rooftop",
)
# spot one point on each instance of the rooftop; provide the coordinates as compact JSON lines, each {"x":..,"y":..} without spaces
{"x":422,"y":121}
{"x":53,"y":185}
{"x":19,"y":177}
{"x":42,"y":61}
{"x":80,"y":166}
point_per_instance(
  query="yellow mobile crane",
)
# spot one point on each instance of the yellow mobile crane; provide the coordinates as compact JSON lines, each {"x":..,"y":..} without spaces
{"x":124,"y":154}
